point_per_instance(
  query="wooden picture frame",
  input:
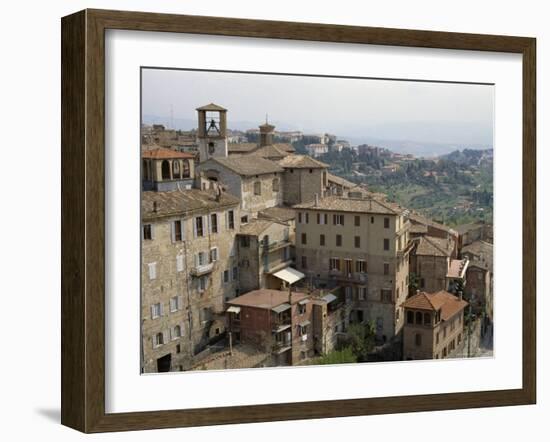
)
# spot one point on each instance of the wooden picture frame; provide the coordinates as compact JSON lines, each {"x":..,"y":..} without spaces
{"x":83,"y":220}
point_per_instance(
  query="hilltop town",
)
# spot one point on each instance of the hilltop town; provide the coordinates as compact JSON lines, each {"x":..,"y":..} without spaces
{"x":254,"y":254}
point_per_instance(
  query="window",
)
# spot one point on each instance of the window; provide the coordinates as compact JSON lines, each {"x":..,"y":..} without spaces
{"x":357,"y":242}
{"x":410,"y":317}
{"x":156,"y":310}
{"x":213,"y":254}
{"x":385,"y":295}
{"x":357,"y":220}
{"x":427,"y":319}
{"x":360,"y":266}
{"x":300,"y":217}
{"x":422,"y":283}
{"x":203,"y":283}
{"x":177,"y":230}
{"x":362,"y":293}
{"x":158,"y":340}
{"x":321,"y":240}
{"x":199,"y":226}
{"x":152,"y":270}
{"x":418,"y":339}
{"x":301,"y":309}
{"x":386,"y":244}
{"x":372,"y":219}
{"x":257,"y":188}
{"x":348,"y":264}
{"x":304,"y":262}
{"x":244,"y":219}
{"x":318,"y":218}
{"x":214,"y":223}
{"x":338,"y":240}
{"x":306,"y":217}
{"x":235,"y":273}
{"x":176,"y":332}
{"x":176,"y":169}
{"x":174,"y":304}
{"x":386,"y":268}
{"x":226,"y":276}
{"x":275,"y":184}
{"x":334,"y":264}
{"x":338,"y":220}
{"x":386,"y":223}
{"x":322,"y":218}
{"x":201,"y":258}
{"x":304,"y":238}
{"x":231,"y":219}
{"x":437,"y":338}
{"x":418,"y":317}
{"x":147,"y":231}
{"x":179,"y":263}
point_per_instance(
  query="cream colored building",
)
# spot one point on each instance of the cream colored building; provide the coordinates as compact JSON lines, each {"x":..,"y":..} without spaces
{"x":189,"y":270}
{"x":363,"y":246}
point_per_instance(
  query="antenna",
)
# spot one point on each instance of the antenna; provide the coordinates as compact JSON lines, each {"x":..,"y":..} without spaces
{"x":266,"y":119}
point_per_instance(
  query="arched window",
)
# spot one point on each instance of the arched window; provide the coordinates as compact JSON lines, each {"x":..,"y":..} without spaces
{"x":410,"y":317}
{"x":176,"y":169}
{"x":165,"y":170}
{"x":427,"y":319}
{"x":418,"y":318}
{"x":159,"y":339}
{"x":177,"y":331}
{"x":185,"y":169}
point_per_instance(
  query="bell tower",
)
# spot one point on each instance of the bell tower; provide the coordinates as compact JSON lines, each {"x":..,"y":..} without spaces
{"x":212,"y":131}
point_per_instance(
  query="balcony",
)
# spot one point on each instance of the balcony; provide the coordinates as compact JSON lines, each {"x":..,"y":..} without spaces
{"x":357,"y":277}
{"x":202,"y":269}
{"x":276,"y":245}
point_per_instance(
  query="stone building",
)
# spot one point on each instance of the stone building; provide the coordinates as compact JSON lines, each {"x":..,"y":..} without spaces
{"x":256,"y":181}
{"x":189,"y":269}
{"x":430,"y":260}
{"x":479,"y":276}
{"x":330,"y":319}
{"x":423,"y":226}
{"x":478,"y":231}
{"x":275,"y":321}
{"x":304,"y":177}
{"x":434,"y":325}
{"x":264,"y":249}
{"x":212,"y":132}
{"x":363,"y":246}
{"x":164,"y":169}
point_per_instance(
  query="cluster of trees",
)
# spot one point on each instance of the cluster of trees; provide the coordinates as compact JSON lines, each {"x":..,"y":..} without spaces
{"x":356,"y":347}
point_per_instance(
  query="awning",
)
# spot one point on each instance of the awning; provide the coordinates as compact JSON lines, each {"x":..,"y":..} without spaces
{"x":304,"y":324}
{"x":289,"y":275}
{"x":281,"y":308}
{"x":234,"y":309}
{"x":330,"y":297}
{"x":304,"y":301}
{"x":281,"y":328}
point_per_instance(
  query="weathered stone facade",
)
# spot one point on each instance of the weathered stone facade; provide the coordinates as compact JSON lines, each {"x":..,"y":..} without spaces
{"x":189,"y":269}
{"x":361,"y":245}
{"x":434,"y":325}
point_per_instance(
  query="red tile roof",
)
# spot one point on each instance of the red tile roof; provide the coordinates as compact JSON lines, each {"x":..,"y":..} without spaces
{"x":447,"y":302}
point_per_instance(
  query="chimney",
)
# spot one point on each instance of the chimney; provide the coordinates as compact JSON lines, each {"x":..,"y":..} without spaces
{"x":417,"y":291}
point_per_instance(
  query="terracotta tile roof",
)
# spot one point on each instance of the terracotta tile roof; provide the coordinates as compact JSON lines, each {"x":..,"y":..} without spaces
{"x":417,"y":218}
{"x":480,"y":251}
{"x":418,"y":228}
{"x":431,"y":246}
{"x":282,"y":214}
{"x":241,"y":147}
{"x":301,"y":162}
{"x":255,"y":227}
{"x":159,"y":153}
{"x":358,"y":205}
{"x":183,"y":202}
{"x":447,"y":302}
{"x":247,"y":165}
{"x":271,"y":151}
{"x":211,"y":107}
{"x":340,"y":181}
{"x":463,"y":228}
{"x":266,"y":298}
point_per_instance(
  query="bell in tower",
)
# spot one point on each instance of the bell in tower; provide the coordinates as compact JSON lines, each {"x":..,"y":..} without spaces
{"x":212,"y":131}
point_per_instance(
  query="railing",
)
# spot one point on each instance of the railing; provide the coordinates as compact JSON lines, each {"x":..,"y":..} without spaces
{"x":202,"y":269}
{"x":359,"y":277}
{"x":276,"y":245}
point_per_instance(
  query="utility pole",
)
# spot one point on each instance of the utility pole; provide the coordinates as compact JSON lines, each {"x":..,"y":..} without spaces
{"x":469,"y":328}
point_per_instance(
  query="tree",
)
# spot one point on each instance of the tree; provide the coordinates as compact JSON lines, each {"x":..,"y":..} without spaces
{"x":414,"y":283}
{"x":343,"y":356}
{"x":360,"y":338}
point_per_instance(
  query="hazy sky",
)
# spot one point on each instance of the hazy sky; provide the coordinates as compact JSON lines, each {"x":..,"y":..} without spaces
{"x":399,"y":110}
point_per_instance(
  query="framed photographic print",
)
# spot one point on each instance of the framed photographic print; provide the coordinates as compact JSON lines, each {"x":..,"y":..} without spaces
{"x":266,"y":221}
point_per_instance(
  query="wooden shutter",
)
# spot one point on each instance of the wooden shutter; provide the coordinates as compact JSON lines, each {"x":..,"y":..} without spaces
{"x":179,"y":263}
{"x":152,"y":312}
{"x":173,"y":231}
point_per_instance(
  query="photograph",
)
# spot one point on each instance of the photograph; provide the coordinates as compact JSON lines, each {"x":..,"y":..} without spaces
{"x":305,"y":220}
